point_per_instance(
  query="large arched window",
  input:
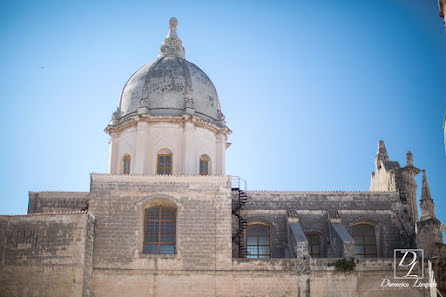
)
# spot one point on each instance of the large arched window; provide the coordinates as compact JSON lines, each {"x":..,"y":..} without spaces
{"x":126,"y":164}
{"x":258,"y":239}
{"x":314,"y":244}
{"x":159,"y":230}
{"x":164,"y":165}
{"x":204,"y":165}
{"x":365,"y":241}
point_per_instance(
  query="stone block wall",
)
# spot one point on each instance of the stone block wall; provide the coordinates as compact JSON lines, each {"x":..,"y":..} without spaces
{"x":67,"y":262}
{"x":428,"y":236}
{"x":277,"y":220}
{"x":381,"y":209}
{"x":257,"y":278}
{"x":46,"y":255}
{"x":41,"y":202}
{"x":203,"y":221}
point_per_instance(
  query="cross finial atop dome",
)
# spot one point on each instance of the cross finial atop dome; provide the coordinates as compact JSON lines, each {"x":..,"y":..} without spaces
{"x":172,"y":45}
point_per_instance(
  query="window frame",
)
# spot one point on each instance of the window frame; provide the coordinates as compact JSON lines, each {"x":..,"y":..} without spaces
{"x":164,"y":167}
{"x":310,"y":236}
{"x":159,"y":243}
{"x":363,"y":236}
{"x":205,"y":160}
{"x":258,"y":245}
{"x":126,"y":158}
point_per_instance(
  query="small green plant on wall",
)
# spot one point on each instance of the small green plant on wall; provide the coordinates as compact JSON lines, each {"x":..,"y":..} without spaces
{"x":344,"y":265}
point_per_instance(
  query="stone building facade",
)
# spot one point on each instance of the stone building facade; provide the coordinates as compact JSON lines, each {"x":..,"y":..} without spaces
{"x":167,"y":221}
{"x":442,"y":7}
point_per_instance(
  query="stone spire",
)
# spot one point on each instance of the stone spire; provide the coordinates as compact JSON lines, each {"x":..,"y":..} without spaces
{"x":381,"y":154}
{"x":172,"y":45}
{"x":428,"y":227}
{"x":426,"y":202}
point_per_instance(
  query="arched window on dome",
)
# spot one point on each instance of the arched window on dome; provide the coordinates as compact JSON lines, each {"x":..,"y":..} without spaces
{"x":258,"y":239}
{"x":365,"y":240}
{"x":159,"y":230}
{"x":126,"y":164}
{"x":164,"y":165}
{"x":204,"y":165}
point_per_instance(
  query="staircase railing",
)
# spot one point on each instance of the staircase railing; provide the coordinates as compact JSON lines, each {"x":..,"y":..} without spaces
{"x":239,"y":185}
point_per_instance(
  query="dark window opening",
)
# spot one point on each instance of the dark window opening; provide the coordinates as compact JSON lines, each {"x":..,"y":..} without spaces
{"x":314,"y":245}
{"x":159,"y":230}
{"x":258,"y":239}
{"x":365,"y":241}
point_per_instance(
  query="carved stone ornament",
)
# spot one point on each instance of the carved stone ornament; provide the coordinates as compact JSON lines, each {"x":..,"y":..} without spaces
{"x":116,"y":114}
{"x":143,"y":103}
{"x":189,"y":103}
{"x":221,"y":116}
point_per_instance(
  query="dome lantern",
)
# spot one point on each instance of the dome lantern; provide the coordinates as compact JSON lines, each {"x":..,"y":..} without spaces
{"x":172,"y":45}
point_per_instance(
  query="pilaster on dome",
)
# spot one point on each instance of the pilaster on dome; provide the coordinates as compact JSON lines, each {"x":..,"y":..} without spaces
{"x":172,"y":45}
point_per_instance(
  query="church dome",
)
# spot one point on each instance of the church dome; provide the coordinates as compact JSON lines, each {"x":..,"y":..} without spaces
{"x":171,"y":86}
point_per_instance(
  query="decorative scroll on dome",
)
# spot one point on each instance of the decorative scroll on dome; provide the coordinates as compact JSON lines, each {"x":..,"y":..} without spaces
{"x":172,"y":45}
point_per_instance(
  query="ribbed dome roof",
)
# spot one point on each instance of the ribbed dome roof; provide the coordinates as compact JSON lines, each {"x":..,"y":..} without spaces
{"x":171,"y":86}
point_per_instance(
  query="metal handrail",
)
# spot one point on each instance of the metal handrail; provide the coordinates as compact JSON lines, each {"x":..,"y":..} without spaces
{"x":238,"y":183}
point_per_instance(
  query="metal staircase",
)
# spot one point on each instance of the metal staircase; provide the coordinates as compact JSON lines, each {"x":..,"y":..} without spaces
{"x":238,"y":185}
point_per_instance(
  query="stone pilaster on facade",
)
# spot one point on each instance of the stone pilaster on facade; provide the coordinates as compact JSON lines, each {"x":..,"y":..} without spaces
{"x":428,"y":227}
{"x":297,"y":242}
{"x":341,"y":242}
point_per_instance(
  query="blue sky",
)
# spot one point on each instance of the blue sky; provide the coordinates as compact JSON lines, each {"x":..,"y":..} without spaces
{"x":307,"y":87}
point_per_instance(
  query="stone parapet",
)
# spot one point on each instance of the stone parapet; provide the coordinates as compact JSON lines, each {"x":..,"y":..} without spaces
{"x":41,"y":202}
{"x":48,"y":255}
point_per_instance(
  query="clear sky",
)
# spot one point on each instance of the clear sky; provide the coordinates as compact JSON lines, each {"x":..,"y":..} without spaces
{"x":307,"y":87}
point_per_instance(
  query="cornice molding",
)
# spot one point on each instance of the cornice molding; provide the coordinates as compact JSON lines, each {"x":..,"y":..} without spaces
{"x":133,"y":120}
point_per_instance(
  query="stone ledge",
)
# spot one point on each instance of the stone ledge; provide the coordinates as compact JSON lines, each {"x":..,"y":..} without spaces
{"x":103,"y":177}
{"x":46,"y":214}
{"x":339,"y":192}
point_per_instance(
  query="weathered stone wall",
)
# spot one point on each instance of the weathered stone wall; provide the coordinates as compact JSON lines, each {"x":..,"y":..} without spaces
{"x":428,"y":235}
{"x":202,"y":265}
{"x":41,"y":202}
{"x":380,"y":209}
{"x":203,"y":229}
{"x":341,"y":243}
{"x":297,"y":242}
{"x":46,"y":255}
{"x":256,"y":278}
